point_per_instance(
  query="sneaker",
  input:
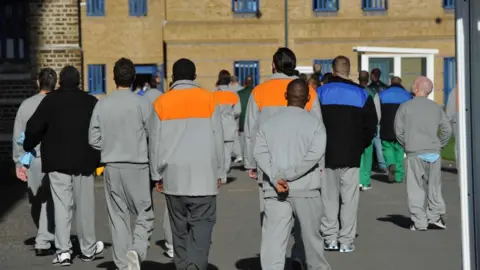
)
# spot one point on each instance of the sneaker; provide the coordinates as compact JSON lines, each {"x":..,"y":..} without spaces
{"x":99,"y":247}
{"x":331,"y":245}
{"x":63,"y":259}
{"x":40,"y":252}
{"x":133,"y":260}
{"x":297,"y":264}
{"x":238,"y":160}
{"x":360,"y":186}
{"x":440,"y":223}
{"x":347,"y":248}
{"x":391,"y":173}
{"x":413,"y":228}
{"x":365,"y":188}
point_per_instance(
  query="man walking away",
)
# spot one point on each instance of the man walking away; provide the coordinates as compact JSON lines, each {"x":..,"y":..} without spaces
{"x":244,"y":95}
{"x":266,"y":100}
{"x":186,"y":151}
{"x":367,"y":156}
{"x":38,"y":184}
{"x":288,"y":149}
{"x":350,"y":120}
{"x":60,"y":124}
{"x":119,"y":129}
{"x":230,"y":109}
{"x":423,"y":128}
{"x":153,"y":93}
{"x":391,"y":98}
{"x":376,"y":85}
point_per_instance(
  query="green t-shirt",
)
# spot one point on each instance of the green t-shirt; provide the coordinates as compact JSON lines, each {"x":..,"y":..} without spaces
{"x":244,"y":95}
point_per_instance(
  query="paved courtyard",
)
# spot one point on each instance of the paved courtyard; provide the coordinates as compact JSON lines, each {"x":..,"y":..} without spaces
{"x":384,"y":241}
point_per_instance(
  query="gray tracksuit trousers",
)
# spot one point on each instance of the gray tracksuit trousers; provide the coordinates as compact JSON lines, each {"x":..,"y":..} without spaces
{"x":167,"y":229}
{"x":42,"y":205}
{"x":127,"y":190}
{"x":426,"y":206}
{"x":340,"y":193}
{"x":69,"y":193}
{"x":192,"y":219}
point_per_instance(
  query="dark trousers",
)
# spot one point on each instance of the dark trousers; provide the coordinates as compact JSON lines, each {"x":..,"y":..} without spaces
{"x":192,"y":220}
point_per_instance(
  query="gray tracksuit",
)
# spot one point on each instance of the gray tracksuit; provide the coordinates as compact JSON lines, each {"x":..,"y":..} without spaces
{"x":152,"y":94}
{"x":230,"y":108}
{"x":417,"y":124}
{"x":290,"y":146}
{"x":118,"y":129}
{"x":186,"y":151}
{"x":38,"y":184}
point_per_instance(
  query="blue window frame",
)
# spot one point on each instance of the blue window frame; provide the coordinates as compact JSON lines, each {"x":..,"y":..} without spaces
{"x":448,"y":4}
{"x":14,"y":31}
{"x":245,"y":6}
{"x":95,"y":8}
{"x":325,"y":5}
{"x":96,"y":79}
{"x":326,"y":64}
{"x":449,"y":77}
{"x":137,"y":8}
{"x":373,"y":5}
{"x":242,"y":69}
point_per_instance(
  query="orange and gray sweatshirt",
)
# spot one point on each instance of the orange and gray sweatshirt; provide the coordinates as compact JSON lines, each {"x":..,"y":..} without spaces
{"x":230,"y":108}
{"x":186,"y":141}
{"x":290,"y":146}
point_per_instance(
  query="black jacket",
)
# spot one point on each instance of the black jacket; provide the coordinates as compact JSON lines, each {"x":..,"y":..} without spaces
{"x":377,"y":86}
{"x":350,"y":120}
{"x":390,"y":100}
{"x":61,"y":124}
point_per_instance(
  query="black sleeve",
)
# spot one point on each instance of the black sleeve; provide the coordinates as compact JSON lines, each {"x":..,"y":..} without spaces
{"x":36,"y":126}
{"x":370,"y":121}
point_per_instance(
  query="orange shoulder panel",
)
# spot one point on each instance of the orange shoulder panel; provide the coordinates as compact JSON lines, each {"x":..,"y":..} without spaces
{"x":226,"y":97}
{"x":184,"y":104}
{"x":272,"y":94}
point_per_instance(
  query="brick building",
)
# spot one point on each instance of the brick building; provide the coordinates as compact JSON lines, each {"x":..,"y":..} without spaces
{"x":403,"y":37}
{"x":33,"y":34}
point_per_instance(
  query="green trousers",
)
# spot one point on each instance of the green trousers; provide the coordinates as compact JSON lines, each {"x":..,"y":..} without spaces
{"x":366,"y":166}
{"x":394,"y":154}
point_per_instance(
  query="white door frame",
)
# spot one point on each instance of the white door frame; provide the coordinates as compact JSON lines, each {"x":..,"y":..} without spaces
{"x":397,"y":54}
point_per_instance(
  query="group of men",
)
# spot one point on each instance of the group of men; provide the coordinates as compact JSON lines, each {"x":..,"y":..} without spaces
{"x":306,"y":149}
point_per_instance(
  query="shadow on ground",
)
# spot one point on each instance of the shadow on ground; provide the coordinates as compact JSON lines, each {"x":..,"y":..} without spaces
{"x":380,"y":178}
{"x":254,"y":263}
{"x":399,"y":220}
{"x":12,"y":190}
{"x":150,"y":265}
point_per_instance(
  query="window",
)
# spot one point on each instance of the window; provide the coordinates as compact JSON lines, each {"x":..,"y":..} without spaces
{"x":326,"y":64}
{"x":372,"y":5}
{"x":96,"y":79}
{"x":242,"y":69}
{"x":325,"y":5}
{"x":449,"y":78}
{"x":137,"y":7}
{"x":13,"y":31}
{"x":95,"y":8}
{"x":245,"y":6}
{"x":448,"y":4}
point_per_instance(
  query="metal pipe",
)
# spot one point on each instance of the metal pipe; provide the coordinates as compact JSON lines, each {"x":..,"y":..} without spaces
{"x":286,"y":23}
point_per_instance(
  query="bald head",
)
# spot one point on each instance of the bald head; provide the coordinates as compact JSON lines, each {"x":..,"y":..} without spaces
{"x":297,"y":94}
{"x":363,"y":78}
{"x":422,"y":86}
{"x":396,"y":80}
{"x":341,"y":66}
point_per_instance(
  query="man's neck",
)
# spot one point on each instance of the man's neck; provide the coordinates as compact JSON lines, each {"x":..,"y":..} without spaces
{"x":43,"y":92}
{"x":301,"y":106}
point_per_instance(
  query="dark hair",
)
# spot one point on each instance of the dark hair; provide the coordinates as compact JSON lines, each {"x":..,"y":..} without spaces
{"x":47,"y":79}
{"x":285,"y":61}
{"x":303,"y":76}
{"x":363,"y":76}
{"x":297,"y":92}
{"x":124,"y":72}
{"x":69,"y":77}
{"x":224,"y":78}
{"x":326,"y":77}
{"x":376,"y":72}
{"x":153,"y":81}
{"x":183,"y":69}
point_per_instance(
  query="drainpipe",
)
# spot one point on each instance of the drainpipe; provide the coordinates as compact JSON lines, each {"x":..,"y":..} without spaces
{"x":286,"y":22}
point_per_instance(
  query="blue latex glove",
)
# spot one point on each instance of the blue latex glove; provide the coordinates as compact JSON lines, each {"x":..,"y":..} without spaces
{"x":27,"y":159}
{"x":429,"y":157}
{"x":21,"y":139}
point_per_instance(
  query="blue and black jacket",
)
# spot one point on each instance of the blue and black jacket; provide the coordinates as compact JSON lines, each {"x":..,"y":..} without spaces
{"x":390,"y":99}
{"x":350,"y":120}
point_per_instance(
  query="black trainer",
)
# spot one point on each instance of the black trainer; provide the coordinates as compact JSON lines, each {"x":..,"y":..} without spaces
{"x":40,"y":252}
{"x":440,"y":224}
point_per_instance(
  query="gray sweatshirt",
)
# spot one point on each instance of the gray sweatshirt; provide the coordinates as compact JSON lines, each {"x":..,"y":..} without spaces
{"x":290,"y":146}
{"x":25,"y":111}
{"x":152,"y":94}
{"x":417,"y":125}
{"x":230,"y":108}
{"x":118,"y":128}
